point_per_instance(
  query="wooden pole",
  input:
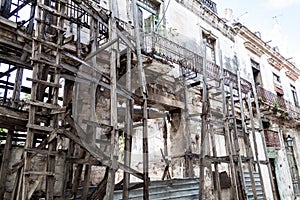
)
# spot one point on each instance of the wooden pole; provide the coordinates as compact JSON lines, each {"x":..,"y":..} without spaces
{"x":246,"y":138}
{"x":129,"y":129}
{"x":216,"y":164}
{"x":114,"y":140}
{"x":255,"y":144}
{"x":144,"y":93}
{"x":189,"y":172}
{"x":228,"y":141}
{"x":203,"y":129}
{"x":263,"y":141}
{"x":237,"y":149}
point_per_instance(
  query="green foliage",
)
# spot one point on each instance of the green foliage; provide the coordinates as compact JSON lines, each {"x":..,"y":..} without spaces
{"x":276,"y":104}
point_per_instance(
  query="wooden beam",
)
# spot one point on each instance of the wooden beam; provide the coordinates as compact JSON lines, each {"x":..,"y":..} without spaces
{"x":129,"y":127}
{"x":95,"y":151}
{"x":165,"y":100}
{"x":114,"y":63}
{"x":144,"y":94}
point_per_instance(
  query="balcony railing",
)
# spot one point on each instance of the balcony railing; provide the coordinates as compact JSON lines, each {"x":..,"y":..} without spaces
{"x":169,"y":51}
{"x":210,"y":4}
{"x":278,"y":101}
{"x":230,"y":77}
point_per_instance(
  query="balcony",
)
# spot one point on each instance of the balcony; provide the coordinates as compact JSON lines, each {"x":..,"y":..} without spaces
{"x":167,"y":51}
{"x":162,"y":48}
{"x":278,"y":103}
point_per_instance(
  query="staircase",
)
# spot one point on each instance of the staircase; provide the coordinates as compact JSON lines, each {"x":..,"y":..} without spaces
{"x":170,"y":189}
{"x":259,"y":190}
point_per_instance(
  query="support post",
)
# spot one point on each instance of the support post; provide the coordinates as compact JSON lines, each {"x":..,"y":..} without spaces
{"x":236,"y":148}
{"x":205,"y":107}
{"x":246,"y":138}
{"x":227,"y":138}
{"x":189,"y":172}
{"x":144,"y":93}
{"x":255,"y":144}
{"x":129,"y":129}
{"x":263,"y":141}
{"x":114,"y":140}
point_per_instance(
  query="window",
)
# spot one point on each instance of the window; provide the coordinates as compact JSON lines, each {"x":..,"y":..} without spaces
{"x":277,"y":85}
{"x":256,"y":72}
{"x":148,"y":15}
{"x":293,"y":169}
{"x":255,"y":64}
{"x":276,"y":78}
{"x":295,"y":97}
{"x":210,"y":46}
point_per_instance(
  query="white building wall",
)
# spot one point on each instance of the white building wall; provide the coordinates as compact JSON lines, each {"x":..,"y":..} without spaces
{"x":185,"y":28}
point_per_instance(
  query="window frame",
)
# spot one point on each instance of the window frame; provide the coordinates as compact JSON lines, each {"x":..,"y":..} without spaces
{"x":294,"y":94}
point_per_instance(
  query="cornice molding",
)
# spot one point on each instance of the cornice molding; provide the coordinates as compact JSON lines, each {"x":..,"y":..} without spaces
{"x":253,"y":49}
{"x":275,"y":63}
{"x":293,"y":76}
{"x":209,"y":16}
{"x":275,"y":58}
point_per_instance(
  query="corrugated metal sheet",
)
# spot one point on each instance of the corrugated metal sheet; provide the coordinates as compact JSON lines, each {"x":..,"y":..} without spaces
{"x":258,"y":185}
{"x":185,"y":189}
{"x":171,"y":189}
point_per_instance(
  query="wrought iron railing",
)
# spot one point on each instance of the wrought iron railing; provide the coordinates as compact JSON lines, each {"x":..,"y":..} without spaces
{"x":277,"y":102}
{"x":169,"y":51}
{"x":210,"y":4}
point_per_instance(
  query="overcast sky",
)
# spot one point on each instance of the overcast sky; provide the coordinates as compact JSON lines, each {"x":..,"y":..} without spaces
{"x":277,"y":20}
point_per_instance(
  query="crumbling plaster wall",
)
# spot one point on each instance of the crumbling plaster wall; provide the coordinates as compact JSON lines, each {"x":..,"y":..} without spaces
{"x":38,"y":163}
{"x":16,"y":155}
{"x":190,"y":31}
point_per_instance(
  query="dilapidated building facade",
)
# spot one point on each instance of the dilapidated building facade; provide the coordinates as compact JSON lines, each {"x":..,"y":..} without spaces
{"x":143,"y":99}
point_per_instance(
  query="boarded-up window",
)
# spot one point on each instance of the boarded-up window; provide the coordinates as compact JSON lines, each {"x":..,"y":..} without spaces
{"x":272,"y":138}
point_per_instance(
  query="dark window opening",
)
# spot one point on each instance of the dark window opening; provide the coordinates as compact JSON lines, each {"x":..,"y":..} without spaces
{"x":295,"y":96}
{"x":256,"y":76}
{"x":279,"y":94}
{"x":276,"y":78}
{"x":210,"y":46}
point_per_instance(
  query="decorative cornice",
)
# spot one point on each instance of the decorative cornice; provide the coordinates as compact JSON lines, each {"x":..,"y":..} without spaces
{"x":253,"y":49}
{"x":209,"y":16}
{"x":292,"y":75}
{"x":275,"y":63}
{"x":275,"y":58}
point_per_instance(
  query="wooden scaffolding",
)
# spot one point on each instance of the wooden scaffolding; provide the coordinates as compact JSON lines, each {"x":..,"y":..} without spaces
{"x":61,"y":130}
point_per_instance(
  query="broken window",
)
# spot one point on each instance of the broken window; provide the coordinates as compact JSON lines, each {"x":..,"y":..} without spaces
{"x":295,"y":97}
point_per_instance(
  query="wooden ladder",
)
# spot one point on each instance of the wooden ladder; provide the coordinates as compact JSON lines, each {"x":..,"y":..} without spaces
{"x":42,"y":131}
